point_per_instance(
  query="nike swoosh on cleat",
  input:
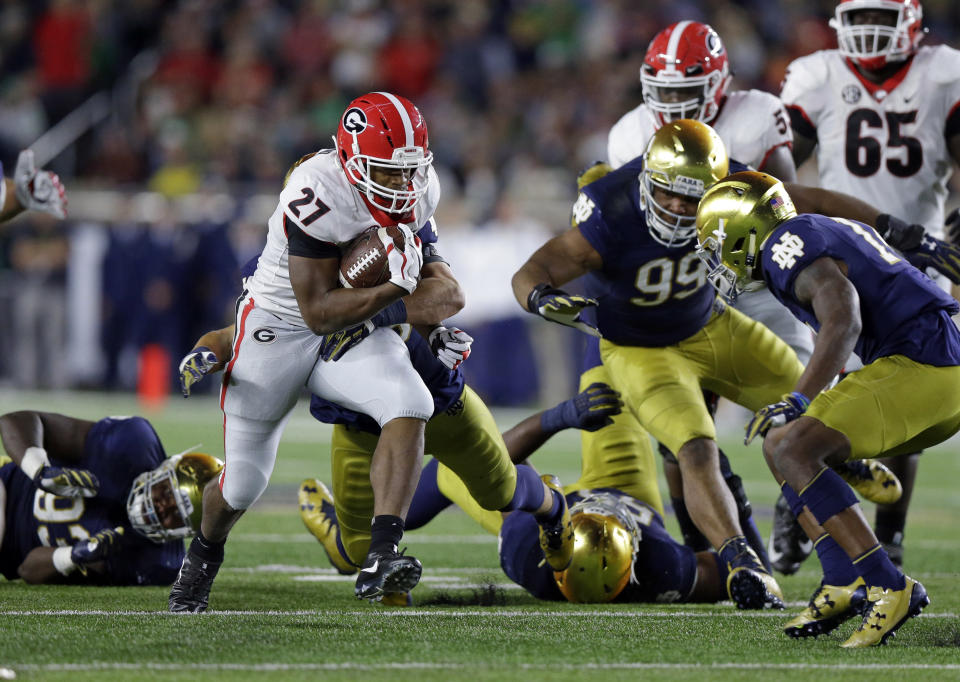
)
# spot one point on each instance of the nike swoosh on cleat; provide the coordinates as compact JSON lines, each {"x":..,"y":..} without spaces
{"x":806,"y":547}
{"x":371,"y":569}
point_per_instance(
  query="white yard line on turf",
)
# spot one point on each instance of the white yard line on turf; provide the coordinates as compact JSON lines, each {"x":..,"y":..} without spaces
{"x":481,"y":612}
{"x":414,"y":665}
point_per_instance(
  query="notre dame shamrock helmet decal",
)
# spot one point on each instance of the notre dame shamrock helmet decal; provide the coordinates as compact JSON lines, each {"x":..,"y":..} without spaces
{"x":166,"y":503}
{"x":734,"y":219}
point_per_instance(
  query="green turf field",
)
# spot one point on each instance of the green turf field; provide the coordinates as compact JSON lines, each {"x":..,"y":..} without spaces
{"x":279,"y":612}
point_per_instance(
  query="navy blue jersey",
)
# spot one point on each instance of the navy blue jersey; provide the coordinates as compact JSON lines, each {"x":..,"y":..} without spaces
{"x":903,"y":311}
{"x":649,"y":294}
{"x":116,"y":450}
{"x":664,"y":570}
{"x":445,"y":386}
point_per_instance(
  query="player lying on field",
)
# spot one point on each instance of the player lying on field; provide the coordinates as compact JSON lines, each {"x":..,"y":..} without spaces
{"x":95,"y":502}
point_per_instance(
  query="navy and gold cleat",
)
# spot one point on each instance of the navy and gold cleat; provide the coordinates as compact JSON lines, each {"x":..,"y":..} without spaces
{"x":829,"y":607}
{"x":320,"y":518}
{"x":886,"y":611}
{"x":871,"y":479}
{"x":556,"y":539}
{"x":386,"y":572}
{"x":750,"y":586}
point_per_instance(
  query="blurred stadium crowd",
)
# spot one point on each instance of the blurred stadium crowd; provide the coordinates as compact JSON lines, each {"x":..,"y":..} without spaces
{"x":210,"y":102}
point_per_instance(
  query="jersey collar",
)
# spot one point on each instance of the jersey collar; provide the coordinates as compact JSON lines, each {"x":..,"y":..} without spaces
{"x":879,"y":91}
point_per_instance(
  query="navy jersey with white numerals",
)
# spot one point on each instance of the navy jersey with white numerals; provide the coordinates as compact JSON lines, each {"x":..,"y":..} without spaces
{"x":903,"y":311}
{"x":649,"y":294}
{"x":664,"y":570}
{"x":116,"y":450}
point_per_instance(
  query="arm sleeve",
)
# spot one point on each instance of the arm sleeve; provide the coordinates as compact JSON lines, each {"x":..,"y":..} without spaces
{"x":588,"y":218}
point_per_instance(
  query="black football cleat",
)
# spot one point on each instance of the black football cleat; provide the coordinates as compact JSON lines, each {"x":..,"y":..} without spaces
{"x":788,"y":546}
{"x":750,"y":586}
{"x":191,"y":590}
{"x":386,"y":572}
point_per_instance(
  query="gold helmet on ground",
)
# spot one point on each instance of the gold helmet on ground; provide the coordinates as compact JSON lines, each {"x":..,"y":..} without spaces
{"x":683,"y":157}
{"x":734,"y":219}
{"x":166,"y":503}
{"x":606,"y":538}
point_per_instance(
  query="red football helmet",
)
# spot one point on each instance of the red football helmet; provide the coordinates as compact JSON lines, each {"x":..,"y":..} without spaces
{"x":685,"y":72}
{"x":873,"y":45}
{"x":383,"y":131}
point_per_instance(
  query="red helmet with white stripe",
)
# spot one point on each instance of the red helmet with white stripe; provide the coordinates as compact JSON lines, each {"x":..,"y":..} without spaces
{"x":382,"y":145}
{"x":875,"y":33}
{"x":685,"y":72}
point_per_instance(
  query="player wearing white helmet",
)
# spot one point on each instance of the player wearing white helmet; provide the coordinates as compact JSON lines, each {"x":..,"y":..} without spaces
{"x":883,"y":114}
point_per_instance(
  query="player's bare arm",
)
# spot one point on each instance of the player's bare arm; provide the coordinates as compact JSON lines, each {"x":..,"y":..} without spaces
{"x":824,"y":287}
{"x":563,"y":258}
{"x":809,"y":199}
{"x":324,"y":305}
{"x":780,"y":164}
{"x":61,"y":436}
{"x":437,"y":297}
{"x":802,"y":147}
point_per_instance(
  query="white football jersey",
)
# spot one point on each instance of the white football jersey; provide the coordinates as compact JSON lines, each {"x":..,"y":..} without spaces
{"x":751,"y":124}
{"x":319,"y":200}
{"x":885,"y":143}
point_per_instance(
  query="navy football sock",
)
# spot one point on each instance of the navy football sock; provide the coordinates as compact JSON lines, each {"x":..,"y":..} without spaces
{"x":837,"y":567}
{"x":528,"y":495}
{"x":755,"y":540}
{"x":875,"y":567}
{"x":427,"y":501}
{"x":732,"y":548}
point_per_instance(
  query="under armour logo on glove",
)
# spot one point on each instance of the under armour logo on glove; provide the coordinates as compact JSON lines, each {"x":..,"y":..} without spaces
{"x":790,"y":407}
{"x":333,"y":346}
{"x":195,"y":365}
{"x":96,"y":548}
{"x":558,"y":306}
{"x":451,"y":346}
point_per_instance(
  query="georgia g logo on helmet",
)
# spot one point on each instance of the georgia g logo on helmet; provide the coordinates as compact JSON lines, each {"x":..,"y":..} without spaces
{"x":354,"y":120}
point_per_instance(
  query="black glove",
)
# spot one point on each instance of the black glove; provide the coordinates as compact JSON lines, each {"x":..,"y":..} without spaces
{"x":921,"y":249}
{"x":558,"y":306}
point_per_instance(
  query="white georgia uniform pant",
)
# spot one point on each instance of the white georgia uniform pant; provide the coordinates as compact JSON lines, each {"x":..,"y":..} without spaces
{"x":272,"y":362}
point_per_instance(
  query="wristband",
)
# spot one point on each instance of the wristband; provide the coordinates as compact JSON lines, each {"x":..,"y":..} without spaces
{"x":62,"y":561}
{"x":802,"y":399}
{"x":34,"y":459}
{"x":533,"y":298}
{"x":395,"y":313}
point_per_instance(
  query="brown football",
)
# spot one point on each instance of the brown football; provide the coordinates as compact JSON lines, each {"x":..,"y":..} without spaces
{"x":363,"y":262}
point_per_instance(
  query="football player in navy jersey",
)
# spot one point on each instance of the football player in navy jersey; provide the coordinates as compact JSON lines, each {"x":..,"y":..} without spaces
{"x":861,"y":296}
{"x":95,"y":501}
{"x":665,"y":334}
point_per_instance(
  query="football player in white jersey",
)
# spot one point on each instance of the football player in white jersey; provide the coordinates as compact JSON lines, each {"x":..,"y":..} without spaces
{"x":378,"y":174}
{"x":31,"y":190}
{"x":883,"y":114}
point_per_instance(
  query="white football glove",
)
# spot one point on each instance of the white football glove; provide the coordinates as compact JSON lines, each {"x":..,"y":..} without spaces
{"x":38,"y":190}
{"x":450,"y":345}
{"x":404,"y":265}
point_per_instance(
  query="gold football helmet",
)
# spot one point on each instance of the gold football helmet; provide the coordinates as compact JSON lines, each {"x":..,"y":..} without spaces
{"x":734,"y":219}
{"x":166,"y":503}
{"x":683,"y":157}
{"x":606,"y":538}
